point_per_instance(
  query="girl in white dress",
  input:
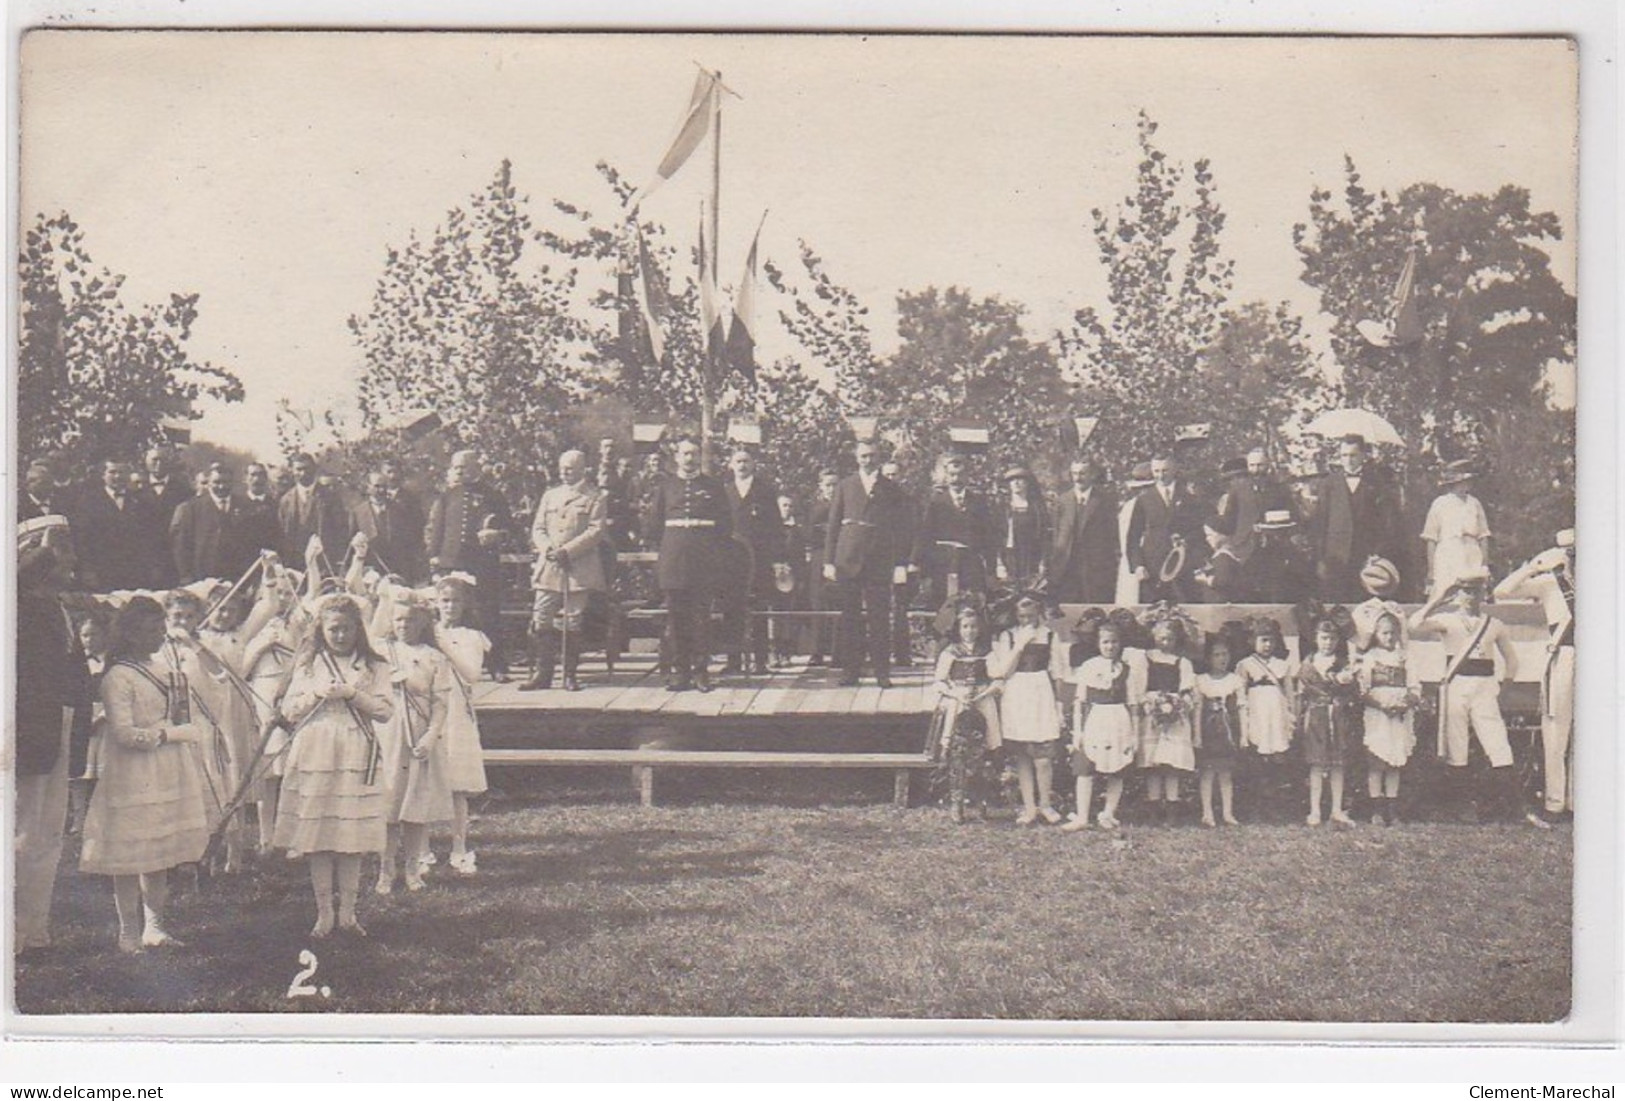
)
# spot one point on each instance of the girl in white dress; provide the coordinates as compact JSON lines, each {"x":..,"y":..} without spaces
{"x":1167,"y":741}
{"x":268,"y":667}
{"x":1029,"y":658}
{"x":414,"y":749}
{"x":1267,"y":675}
{"x":1104,"y":734}
{"x":466,"y":648}
{"x":225,"y":638}
{"x":1390,"y":704}
{"x":1456,"y":530}
{"x":332,"y":805}
{"x":198,"y":679}
{"x":149,"y":811}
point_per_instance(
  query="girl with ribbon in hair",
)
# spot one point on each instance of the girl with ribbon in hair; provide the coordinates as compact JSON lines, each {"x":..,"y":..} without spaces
{"x":1167,"y":740}
{"x":333,"y":800}
{"x":965,"y":726}
{"x":1390,"y":699}
{"x":150,"y":808}
{"x":1103,"y":731}
{"x":1029,"y":658}
{"x":199,"y":681}
{"x":1328,"y":698}
{"x":418,"y":789}
{"x":268,"y":667}
{"x":465,"y":647}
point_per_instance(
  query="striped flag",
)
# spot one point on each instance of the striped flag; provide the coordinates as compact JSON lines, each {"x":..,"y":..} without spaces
{"x":740,"y":351}
{"x":691,"y":131}
{"x":710,"y":319}
{"x":654,"y":304}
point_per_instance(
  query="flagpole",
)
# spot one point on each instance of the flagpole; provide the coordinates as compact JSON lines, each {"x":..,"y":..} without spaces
{"x":710,"y":373}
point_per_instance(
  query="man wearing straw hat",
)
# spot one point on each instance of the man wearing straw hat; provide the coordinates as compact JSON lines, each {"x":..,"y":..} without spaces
{"x":53,"y":698}
{"x":1478,"y":657}
{"x":1549,"y":578}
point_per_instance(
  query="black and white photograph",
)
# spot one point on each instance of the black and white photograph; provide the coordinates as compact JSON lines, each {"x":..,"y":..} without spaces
{"x":918,"y":527}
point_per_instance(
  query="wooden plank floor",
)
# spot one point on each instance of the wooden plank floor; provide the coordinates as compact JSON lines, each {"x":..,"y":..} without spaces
{"x":633,"y":688}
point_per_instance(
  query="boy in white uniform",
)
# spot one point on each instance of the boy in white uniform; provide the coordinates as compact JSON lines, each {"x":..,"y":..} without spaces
{"x":1549,"y":578}
{"x":1478,"y":657}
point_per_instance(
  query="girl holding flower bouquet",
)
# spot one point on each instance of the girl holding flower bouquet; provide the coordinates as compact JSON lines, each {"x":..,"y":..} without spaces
{"x":1167,"y":741}
{"x":966,"y":724}
{"x":1390,"y":704}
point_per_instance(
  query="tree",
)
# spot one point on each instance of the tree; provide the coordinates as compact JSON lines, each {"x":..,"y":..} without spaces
{"x":97,"y":378}
{"x":1140,"y":363}
{"x":1493,"y":318}
{"x":1260,"y":376}
{"x":802,"y":427}
{"x":832,"y":326}
{"x":471,"y":324}
{"x":964,"y":358}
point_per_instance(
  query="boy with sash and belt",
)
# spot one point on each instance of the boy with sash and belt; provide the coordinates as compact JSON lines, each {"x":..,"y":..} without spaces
{"x":1549,"y":578}
{"x":1478,"y":657}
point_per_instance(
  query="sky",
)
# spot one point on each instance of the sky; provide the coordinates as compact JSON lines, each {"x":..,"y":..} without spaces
{"x":270,"y":172}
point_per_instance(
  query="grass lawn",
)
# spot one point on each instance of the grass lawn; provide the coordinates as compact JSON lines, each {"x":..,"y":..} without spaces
{"x":731,"y":900}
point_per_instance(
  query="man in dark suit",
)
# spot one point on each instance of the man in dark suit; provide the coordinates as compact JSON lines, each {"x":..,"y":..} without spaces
{"x":1356,"y":515}
{"x":168,"y":487}
{"x":1165,"y":516}
{"x":467,"y":524}
{"x":113,"y":536}
{"x":258,"y":519}
{"x":956,"y":536}
{"x":691,"y":524}
{"x":821,"y":594}
{"x":206,"y":536}
{"x":394,"y":532}
{"x":40,"y":496}
{"x":758,"y":533}
{"x":864,"y":547}
{"x":310,"y":508}
{"x":1083,"y":552}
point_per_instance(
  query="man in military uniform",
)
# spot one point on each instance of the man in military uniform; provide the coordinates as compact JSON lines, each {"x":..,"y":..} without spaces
{"x":465,"y":530}
{"x":759,"y":534}
{"x":691,"y":524}
{"x":566,"y":535}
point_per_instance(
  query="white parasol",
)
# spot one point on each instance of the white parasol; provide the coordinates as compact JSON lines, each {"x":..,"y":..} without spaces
{"x":1354,"y":422}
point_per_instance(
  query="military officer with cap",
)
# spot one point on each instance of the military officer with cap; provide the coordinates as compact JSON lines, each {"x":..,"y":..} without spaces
{"x":569,"y":527}
{"x":691,"y":523}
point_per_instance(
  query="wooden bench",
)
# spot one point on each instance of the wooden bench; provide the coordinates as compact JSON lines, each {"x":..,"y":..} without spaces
{"x":644,"y":762}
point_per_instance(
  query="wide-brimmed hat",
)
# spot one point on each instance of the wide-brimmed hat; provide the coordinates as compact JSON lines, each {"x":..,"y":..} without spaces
{"x":1233,"y":468}
{"x":1379,"y":577}
{"x":1017,"y":473}
{"x":1456,"y":472}
{"x":1276,"y":519}
{"x":31,"y":533}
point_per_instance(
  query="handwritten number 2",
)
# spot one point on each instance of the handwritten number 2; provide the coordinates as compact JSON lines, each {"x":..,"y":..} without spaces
{"x":300,"y":987}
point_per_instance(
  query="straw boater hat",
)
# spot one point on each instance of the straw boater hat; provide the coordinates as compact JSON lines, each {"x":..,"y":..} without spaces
{"x":1456,"y":472}
{"x":1276,"y":519}
{"x":1017,"y":474}
{"x":1379,"y":577}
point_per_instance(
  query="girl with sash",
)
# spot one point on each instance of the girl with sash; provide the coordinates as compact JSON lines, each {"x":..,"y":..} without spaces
{"x":1104,"y":737}
{"x":414,"y":744}
{"x":197,"y":678}
{"x":1328,"y":704}
{"x":150,"y":809}
{"x":1220,"y":703}
{"x":465,"y":647}
{"x":333,"y":799}
{"x":268,"y":667}
{"x":1029,"y":658}
{"x":1390,"y":704}
{"x":965,"y":725}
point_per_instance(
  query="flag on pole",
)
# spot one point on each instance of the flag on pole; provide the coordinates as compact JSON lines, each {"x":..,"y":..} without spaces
{"x":653,"y":302}
{"x":1400,"y":325}
{"x":740,"y":351}
{"x":691,"y":131}
{"x":710,"y":318}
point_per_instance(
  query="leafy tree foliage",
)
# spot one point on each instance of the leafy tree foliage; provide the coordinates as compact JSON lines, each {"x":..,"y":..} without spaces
{"x":1494,"y":317}
{"x":95,"y":376}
